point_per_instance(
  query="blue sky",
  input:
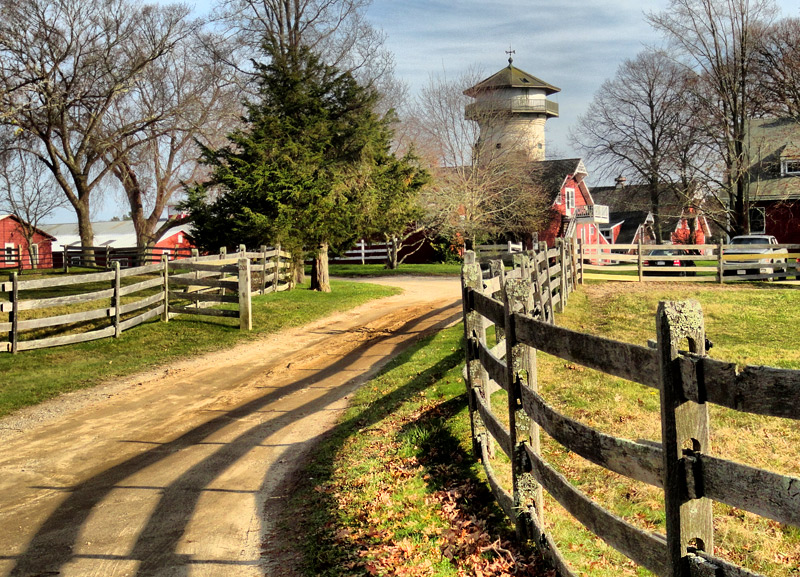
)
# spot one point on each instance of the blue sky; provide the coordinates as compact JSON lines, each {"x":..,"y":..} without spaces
{"x":572,"y":44}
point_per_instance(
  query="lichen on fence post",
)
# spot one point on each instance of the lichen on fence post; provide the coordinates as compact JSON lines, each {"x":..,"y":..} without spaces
{"x":684,"y":432}
{"x":521,"y":368}
{"x":471,"y":278}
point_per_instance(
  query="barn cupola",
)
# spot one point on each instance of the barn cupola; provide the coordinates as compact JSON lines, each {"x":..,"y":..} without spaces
{"x":511,"y":108}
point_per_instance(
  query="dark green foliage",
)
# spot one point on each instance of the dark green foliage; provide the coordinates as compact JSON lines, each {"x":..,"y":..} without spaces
{"x":311,"y":165}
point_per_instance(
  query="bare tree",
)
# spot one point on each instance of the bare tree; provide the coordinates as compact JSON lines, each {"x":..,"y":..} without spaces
{"x":642,"y":122}
{"x":477,"y":192}
{"x":63,"y":66}
{"x":336,"y":29}
{"x":27,"y":191}
{"x":196,"y":101}
{"x":778,"y":69}
{"x":718,"y":40}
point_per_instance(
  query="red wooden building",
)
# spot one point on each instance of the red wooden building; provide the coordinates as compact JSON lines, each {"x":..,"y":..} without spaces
{"x":574,"y":212}
{"x":15,"y":247}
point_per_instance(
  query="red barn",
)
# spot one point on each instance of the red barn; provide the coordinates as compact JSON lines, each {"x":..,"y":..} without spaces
{"x":574,"y":212}
{"x":16,"y":247}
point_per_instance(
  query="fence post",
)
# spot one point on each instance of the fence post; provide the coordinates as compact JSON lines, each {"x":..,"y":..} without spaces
{"x":580,"y":258}
{"x":573,"y":258}
{"x":245,"y":304}
{"x":639,"y":260}
{"x":521,"y":360}
{"x":471,"y":278}
{"x":117,"y":301}
{"x":562,"y":303}
{"x":684,"y":432}
{"x":66,"y":259}
{"x":547,"y":303}
{"x":165,"y":263}
{"x":277,"y":277}
{"x":720,"y":263}
{"x":13,"y":315}
{"x":263,"y":269}
{"x":363,"y":252}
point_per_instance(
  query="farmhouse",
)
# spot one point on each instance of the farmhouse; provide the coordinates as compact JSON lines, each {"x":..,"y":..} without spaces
{"x":773,"y":147}
{"x":15,"y":248}
{"x":511,"y":108}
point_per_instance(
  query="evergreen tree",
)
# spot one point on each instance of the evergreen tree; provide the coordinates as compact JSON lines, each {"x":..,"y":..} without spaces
{"x":306,"y":167}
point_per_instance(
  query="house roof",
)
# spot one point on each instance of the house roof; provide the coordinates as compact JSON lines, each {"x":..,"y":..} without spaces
{"x":37,"y":229}
{"x":551,"y":174}
{"x":115,"y":234}
{"x":511,"y":77}
{"x":769,"y":140}
{"x":629,"y":222}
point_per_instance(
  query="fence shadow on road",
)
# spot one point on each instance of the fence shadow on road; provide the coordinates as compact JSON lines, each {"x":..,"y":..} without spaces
{"x":156,"y":548}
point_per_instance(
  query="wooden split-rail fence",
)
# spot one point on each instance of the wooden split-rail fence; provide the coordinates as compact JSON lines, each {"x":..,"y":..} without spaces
{"x":693,"y":262}
{"x":163,"y":290}
{"x":681,"y":464}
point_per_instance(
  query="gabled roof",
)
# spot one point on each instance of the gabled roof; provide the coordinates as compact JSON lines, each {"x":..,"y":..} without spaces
{"x":629,"y":222}
{"x":511,"y":77}
{"x":551,"y":174}
{"x":39,"y":230}
{"x":769,"y":140}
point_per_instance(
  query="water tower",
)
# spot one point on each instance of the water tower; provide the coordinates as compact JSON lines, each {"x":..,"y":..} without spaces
{"x":511,"y":108}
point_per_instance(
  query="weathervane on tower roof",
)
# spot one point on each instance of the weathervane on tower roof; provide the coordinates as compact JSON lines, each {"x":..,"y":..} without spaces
{"x":510,"y":52}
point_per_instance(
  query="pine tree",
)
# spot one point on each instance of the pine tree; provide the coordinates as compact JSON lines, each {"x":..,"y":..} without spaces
{"x":305,"y":168}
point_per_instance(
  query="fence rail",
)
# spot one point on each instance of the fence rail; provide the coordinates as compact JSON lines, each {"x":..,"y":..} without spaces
{"x":164,"y":290}
{"x":690,"y":477}
{"x":104,"y":257}
{"x":698,"y":263}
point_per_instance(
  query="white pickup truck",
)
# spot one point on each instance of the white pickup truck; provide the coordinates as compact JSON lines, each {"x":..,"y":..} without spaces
{"x":756,"y":244}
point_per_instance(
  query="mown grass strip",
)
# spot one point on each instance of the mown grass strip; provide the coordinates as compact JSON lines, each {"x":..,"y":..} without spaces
{"x":31,"y":377}
{"x":395,"y":490}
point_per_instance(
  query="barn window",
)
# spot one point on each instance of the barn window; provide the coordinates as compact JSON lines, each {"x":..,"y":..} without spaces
{"x":10,"y":253}
{"x":34,"y":254}
{"x":569,"y":200}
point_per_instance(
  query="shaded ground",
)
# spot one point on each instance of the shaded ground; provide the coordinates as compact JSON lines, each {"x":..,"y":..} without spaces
{"x":176,"y":472}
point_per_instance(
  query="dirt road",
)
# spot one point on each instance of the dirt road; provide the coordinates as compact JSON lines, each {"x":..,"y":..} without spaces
{"x":175,"y":472}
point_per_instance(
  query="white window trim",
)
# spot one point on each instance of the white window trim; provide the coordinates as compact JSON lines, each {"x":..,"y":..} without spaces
{"x":569,"y":200}
{"x":785,"y":162}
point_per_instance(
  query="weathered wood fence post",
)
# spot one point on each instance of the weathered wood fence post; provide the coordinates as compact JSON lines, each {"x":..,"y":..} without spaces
{"x":547,"y":301}
{"x":562,"y":279}
{"x":471,"y":278}
{"x":521,"y":366}
{"x":165,"y":264}
{"x":684,"y":431}
{"x":116,"y":301}
{"x":245,"y":303}
{"x":13,"y":314}
{"x":263,"y":269}
{"x":640,"y":260}
{"x":277,"y":276}
{"x":720,"y":263}
{"x":580,"y":258}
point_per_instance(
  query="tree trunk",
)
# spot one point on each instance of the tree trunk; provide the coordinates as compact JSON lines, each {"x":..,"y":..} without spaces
{"x":298,"y":271}
{"x":319,"y":270}
{"x":86,"y":233}
{"x":391,"y":251}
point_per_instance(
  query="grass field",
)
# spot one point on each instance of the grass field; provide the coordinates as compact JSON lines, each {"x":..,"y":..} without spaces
{"x":383,"y":492}
{"x":31,"y":377}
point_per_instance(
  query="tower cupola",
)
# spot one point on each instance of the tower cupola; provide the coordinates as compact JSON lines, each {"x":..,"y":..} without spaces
{"x":511,"y":108}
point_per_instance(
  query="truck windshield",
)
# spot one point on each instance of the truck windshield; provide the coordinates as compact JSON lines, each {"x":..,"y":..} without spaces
{"x":750,"y":241}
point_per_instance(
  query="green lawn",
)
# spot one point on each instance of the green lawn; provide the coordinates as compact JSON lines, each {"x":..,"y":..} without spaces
{"x":397,"y":484}
{"x":31,"y":377}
